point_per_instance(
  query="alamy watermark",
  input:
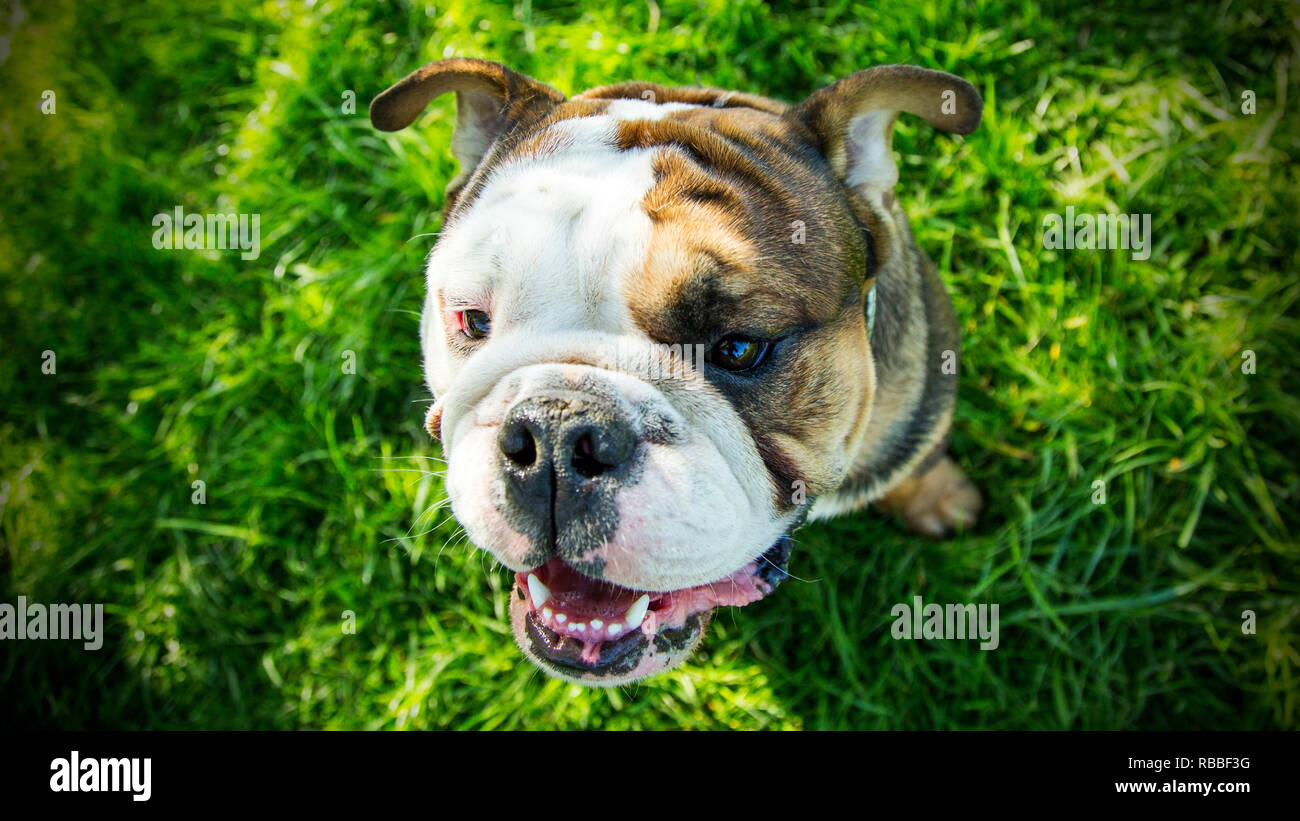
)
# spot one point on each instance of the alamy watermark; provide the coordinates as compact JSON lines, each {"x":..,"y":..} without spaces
{"x":55,"y":622}
{"x":179,"y":231}
{"x":653,"y":360}
{"x":1088,"y":232}
{"x":77,"y":774}
{"x":953,"y":621}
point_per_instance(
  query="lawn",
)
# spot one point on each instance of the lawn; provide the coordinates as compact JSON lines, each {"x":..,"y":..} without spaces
{"x":1165,"y":384}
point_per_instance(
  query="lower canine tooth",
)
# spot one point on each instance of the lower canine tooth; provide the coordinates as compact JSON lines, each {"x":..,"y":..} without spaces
{"x":537,"y":590}
{"x":636,"y":613}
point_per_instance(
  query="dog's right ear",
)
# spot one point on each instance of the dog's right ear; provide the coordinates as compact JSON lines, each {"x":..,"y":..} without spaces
{"x":853,"y":121}
{"x":490,"y":100}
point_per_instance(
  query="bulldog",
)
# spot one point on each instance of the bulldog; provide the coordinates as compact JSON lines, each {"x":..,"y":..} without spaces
{"x":663,"y":327}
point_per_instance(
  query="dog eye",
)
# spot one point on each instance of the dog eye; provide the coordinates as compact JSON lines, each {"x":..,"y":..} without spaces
{"x":739,"y":353}
{"x":474,"y":324}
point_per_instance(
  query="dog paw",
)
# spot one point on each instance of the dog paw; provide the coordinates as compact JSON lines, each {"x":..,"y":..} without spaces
{"x":936,"y":503}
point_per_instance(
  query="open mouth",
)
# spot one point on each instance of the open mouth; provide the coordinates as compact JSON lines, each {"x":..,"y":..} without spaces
{"x":584,"y":628}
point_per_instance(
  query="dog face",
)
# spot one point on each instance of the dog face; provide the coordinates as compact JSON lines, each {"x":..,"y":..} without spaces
{"x":645,"y":333}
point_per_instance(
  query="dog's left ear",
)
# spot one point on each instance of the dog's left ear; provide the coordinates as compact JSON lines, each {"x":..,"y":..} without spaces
{"x":490,"y":100}
{"x":854,"y":121}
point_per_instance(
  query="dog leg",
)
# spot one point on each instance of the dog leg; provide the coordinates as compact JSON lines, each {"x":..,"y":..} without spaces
{"x":936,"y":502}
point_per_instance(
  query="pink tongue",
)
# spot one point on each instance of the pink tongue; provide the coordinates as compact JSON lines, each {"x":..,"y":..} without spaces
{"x":740,"y":588}
{"x":585,"y":598}
{"x":579,"y":604}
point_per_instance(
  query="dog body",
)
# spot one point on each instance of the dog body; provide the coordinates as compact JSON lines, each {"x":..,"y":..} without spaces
{"x":663,"y":327}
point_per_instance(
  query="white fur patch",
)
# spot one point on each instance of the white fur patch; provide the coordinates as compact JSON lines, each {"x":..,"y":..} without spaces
{"x":630,"y":109}
{"x":545,"y":246}
{"x":870,"y":158}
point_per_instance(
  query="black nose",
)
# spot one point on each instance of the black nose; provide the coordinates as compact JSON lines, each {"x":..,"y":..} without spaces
{"x":563,"y":454}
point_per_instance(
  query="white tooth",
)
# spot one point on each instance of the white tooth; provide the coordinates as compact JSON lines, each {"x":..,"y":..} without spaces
{"x":596,"y":624}
{"x":537,"y":590}
{"x":561,"y":618}
{"x":546,"y":613}
{"x":579,"y":626}
{"x":615,"y":629}
{"x":636,"y":613}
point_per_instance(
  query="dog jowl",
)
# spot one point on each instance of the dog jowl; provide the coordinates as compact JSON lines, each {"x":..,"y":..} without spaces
{"x":633,"y":495}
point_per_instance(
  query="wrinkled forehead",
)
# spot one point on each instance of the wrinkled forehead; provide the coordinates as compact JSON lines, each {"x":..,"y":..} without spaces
{"x":549,"y":234}
{"x":677,"y":217}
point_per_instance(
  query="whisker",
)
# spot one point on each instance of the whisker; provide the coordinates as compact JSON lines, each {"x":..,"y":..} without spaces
{"x":402,"y":470}
{"x":787,"y":573}
{"x":430,"y":458}
{"x":445,"y":545}
{"x":422,"y":534}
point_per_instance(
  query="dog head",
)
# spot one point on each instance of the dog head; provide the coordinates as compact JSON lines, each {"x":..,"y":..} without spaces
{"x":646,"y":336}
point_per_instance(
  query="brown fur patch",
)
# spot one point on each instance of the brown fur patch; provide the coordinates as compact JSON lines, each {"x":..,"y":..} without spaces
{"x":935,"y":502}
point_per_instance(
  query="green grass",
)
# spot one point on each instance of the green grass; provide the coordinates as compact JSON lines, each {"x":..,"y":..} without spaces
{"x":179,"y":366}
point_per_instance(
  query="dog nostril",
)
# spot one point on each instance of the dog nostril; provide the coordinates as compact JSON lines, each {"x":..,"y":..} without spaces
{"x":584,"y":458}
{"x":518,"y":445}
{"x":591,"y":459}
